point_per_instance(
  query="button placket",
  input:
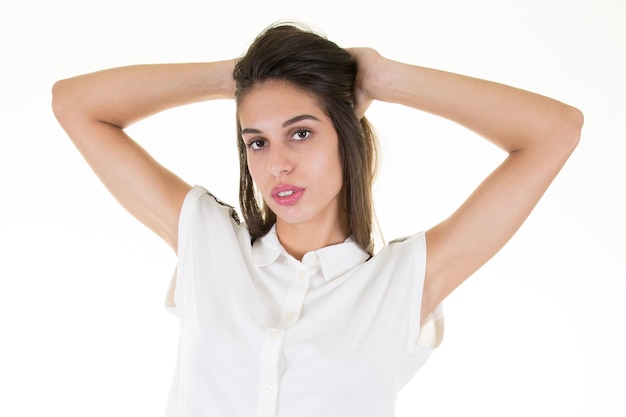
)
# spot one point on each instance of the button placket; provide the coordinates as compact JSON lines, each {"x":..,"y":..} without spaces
{"x":295,"y":298}
{"x":270,"y":354}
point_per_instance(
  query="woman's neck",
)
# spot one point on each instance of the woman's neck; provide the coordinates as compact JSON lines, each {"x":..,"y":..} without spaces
{"x":298,"y":239}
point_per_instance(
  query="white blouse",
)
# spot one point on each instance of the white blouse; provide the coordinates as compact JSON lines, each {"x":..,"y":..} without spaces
{"x":263,"y":334}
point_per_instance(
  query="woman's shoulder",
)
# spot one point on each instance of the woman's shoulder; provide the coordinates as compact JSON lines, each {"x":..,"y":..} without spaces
{"x":200,"y":199}
{"x":206,"y":221}
{"x":415,"y":242}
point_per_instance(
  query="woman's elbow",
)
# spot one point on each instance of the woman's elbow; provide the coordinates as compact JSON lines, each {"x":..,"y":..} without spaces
{"x":571,"y":127}
{"x":61,"y":100}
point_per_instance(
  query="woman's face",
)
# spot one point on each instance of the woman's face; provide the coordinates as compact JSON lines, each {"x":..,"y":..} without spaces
{"x":293,"y":155}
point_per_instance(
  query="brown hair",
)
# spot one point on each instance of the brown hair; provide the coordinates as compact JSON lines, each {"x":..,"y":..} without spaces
{"x":316,"y":65}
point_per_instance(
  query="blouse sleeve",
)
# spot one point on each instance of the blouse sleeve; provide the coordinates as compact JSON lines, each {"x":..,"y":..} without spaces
{"x":422,"y":340}
{"x":204,"y":214}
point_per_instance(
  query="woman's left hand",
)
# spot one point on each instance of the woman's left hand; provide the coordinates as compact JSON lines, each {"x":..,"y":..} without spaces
{"x":368,"y":63}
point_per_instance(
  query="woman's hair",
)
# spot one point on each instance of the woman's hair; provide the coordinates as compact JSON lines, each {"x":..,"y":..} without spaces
{"x":318,"y":66}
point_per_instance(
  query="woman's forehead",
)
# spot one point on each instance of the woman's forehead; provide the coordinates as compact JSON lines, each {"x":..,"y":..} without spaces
{"x":278,"y":102}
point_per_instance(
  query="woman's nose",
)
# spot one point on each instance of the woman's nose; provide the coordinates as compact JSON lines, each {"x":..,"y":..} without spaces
{"x":280,"y":161}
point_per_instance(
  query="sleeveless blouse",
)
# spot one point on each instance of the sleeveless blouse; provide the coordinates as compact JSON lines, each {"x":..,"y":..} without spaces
{"x":263,"y":334}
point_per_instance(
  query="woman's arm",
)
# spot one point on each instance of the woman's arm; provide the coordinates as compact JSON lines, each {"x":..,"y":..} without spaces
{"x":95,"y":108}
{"x":538,"y":134}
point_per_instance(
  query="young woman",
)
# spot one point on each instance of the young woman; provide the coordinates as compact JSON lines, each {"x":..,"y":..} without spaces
{"x":291,"y":313}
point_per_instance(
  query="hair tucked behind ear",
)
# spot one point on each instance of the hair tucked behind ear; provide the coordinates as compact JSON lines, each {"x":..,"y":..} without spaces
{"x":318,"y":66}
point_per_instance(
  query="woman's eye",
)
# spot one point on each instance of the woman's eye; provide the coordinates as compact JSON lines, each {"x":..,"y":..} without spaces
{"x":301,"y":134}
{"x":256,"y":145}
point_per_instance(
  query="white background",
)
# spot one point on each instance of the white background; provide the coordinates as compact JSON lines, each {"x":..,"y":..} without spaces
{"x":537,"y":331}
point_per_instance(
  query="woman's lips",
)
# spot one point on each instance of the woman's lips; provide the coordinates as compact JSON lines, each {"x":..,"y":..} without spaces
{"x":287,"y":194}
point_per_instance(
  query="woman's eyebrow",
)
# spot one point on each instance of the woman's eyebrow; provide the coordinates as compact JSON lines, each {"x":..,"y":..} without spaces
{"x":249,"y":130}
{"x":299,"y":118}
{"x":289,"y":122}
